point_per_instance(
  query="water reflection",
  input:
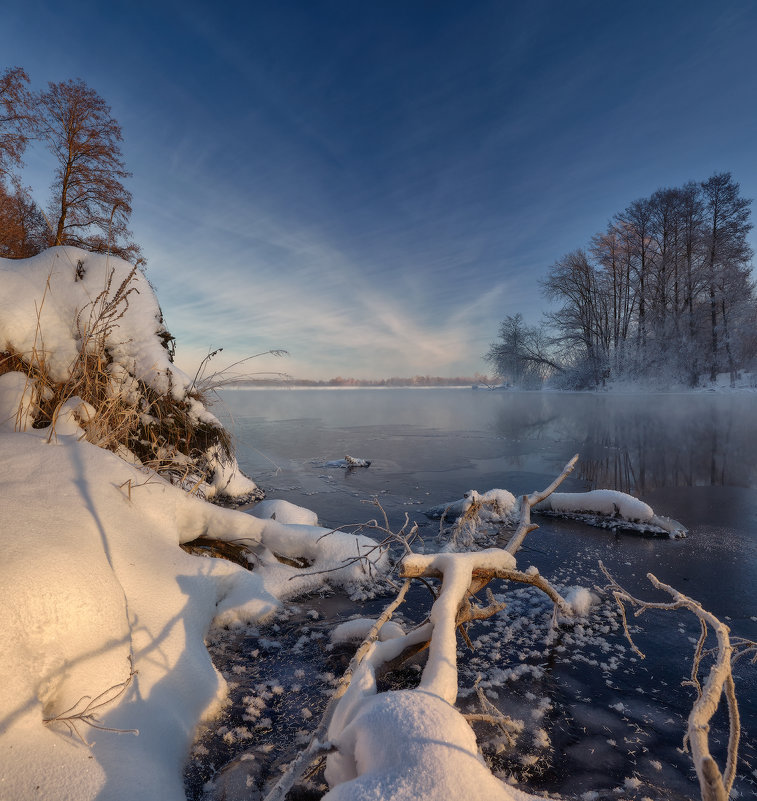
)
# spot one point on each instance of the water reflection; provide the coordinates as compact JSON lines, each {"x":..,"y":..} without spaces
{"x":634,"y":443}
{"x":637,"y":443}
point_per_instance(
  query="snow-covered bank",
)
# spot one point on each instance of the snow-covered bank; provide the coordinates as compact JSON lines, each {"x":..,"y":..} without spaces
{"x":93,"y":581}
{"x":88,"y":327}
{"x":105,"y":614}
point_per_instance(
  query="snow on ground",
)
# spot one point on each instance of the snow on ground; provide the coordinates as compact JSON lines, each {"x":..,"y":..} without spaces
{"x":284,"y":512}
{"x":66,"y":301}
{"x":105,"y":615}
{"x":91,"y":578}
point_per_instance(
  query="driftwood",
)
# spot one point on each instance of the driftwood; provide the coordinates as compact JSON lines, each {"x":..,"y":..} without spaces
{"x":713,"y":785}
{"x":463,"y":575}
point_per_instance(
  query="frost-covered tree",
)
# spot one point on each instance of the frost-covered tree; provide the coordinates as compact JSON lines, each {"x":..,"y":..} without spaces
{"x":91,"y":206}
{"x":523,"y":355}
{"x":727,"y":223}
{"x":665,"y":293}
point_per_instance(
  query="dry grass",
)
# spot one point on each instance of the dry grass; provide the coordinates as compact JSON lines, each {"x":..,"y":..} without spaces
{"x":130,"y":418}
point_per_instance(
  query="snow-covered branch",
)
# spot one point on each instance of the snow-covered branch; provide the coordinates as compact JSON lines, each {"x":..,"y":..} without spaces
{"x":714,"y":786}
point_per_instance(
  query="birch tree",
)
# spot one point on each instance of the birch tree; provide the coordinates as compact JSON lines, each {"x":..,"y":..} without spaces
{"x":91,"y":206}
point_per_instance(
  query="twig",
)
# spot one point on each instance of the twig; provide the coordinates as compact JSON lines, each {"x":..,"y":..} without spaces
{"x":88,"y":714}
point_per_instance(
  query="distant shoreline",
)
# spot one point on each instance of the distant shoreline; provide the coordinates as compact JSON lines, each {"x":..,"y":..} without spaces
{"x":325,"y":386}
{"x":362,"y":383}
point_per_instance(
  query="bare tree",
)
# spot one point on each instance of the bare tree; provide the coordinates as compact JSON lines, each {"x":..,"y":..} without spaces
{"x":23,"y":228}
{"x":664,"y":292}
{"x":637,"y":223}
{"x":523,"y":354}
{"x":727,"y":221}
{"x":583,"y":320}
{"x":14,"y":118}
{"x":611,"y":256}
{"x":90,"y":206}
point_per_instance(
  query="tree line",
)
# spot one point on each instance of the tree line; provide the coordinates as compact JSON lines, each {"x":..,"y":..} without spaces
{"x":665,"y":293}
{"x":89,"y":206}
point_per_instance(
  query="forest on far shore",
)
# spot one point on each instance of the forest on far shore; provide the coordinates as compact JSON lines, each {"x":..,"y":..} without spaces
{"x":664,"y":295}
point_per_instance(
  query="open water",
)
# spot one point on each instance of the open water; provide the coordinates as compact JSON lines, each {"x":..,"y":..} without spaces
{"x":596,"y":718}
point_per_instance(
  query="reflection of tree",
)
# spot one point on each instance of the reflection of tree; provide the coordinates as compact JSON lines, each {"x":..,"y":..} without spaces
{"x":639,"y":443}
{"x":526,"y":416}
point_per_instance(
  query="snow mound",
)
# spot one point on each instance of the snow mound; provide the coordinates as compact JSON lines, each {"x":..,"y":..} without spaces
{"x":66,"y":314}
{"x":68,"y":287}
{"x":495,"y":506}
{"x":284,"y":512}
{"x":411,"y":744}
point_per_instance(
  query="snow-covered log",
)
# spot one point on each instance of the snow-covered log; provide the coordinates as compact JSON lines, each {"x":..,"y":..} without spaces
{"x":611,"y":509}
{"x":602,"y":508}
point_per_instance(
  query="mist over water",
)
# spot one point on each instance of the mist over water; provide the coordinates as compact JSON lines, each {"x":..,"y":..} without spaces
{"x":691,"y":457}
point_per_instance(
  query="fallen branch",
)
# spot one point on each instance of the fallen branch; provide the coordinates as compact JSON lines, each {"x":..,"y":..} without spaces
{"x":713,"y":785}
{"x":319,"y":741}
{"x":525,"y":526}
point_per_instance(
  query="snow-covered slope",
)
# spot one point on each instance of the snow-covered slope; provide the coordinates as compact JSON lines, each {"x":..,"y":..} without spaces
{"x":104,"y":614}
{"x":66,"y":307}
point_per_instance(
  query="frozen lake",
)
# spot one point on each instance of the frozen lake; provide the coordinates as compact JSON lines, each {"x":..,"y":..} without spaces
{"x":596,"y":717}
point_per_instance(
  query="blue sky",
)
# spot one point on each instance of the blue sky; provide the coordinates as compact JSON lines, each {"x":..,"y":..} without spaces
{"x":374,"y":185}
